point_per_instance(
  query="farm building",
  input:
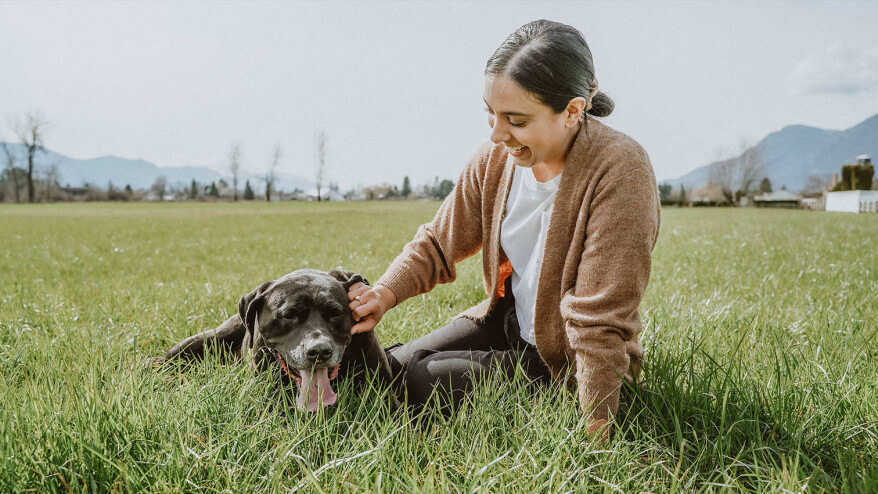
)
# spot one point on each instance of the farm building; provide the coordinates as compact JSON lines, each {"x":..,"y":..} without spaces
{"x":852,"y":201}
{"x":709,"y":195}
{"x":778,"y":199}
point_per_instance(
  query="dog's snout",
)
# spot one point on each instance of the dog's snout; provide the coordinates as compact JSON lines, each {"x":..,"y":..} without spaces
{"x":319,"y":351}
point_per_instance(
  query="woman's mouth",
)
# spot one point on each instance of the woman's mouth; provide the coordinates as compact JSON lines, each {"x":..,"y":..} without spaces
{"x":517,"y":151}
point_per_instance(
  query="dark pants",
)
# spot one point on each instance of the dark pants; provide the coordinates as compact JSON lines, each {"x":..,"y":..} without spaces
{"x":451,"y":359}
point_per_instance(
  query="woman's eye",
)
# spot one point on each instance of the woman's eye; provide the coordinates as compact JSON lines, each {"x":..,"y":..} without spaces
{"x":517,"y":124}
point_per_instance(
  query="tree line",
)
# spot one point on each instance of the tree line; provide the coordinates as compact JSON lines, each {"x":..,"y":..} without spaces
{"x":22,"y":180}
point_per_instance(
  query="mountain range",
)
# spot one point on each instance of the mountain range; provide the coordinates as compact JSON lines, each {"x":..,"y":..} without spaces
{"x":789,"y":157}
{"x":795,"y":152}
{"x":140,"y":174}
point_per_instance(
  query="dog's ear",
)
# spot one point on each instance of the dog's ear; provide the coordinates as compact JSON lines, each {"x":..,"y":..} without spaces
{"x":347,"y":278}
{"x":250,"y":304}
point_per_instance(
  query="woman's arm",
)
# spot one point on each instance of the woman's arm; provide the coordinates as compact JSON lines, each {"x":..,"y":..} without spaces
{"x":454,"y":234}
{"x":601,"y":310}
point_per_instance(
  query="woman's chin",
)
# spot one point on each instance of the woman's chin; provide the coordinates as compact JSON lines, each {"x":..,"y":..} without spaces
{"x":524,"y":161}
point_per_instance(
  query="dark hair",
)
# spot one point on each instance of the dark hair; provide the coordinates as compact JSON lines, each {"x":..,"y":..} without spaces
{"x":552,"y":61}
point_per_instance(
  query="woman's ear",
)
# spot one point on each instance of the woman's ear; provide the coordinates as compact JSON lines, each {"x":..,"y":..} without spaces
{"x":575,"y":111}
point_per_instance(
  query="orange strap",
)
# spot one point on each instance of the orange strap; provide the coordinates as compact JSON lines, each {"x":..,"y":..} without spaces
{"x":503,"y":273}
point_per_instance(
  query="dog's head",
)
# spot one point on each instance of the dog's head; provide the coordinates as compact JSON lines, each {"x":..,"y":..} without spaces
{"x":304,"y":320}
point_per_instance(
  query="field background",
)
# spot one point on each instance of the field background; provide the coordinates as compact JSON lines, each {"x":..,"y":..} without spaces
{"x":759,"y":330}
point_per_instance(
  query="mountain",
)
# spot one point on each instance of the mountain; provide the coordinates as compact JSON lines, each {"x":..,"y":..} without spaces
{"x":795,"y":152}
{"x":140,"y":174}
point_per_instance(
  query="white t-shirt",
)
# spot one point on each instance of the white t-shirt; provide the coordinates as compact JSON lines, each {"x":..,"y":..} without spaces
{"x":523,"y":239}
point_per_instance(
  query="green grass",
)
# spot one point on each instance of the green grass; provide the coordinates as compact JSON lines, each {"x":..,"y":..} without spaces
{"x":760,"y":333}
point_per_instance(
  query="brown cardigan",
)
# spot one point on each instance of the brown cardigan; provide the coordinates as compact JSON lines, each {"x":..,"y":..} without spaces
{"x":596,"y":264}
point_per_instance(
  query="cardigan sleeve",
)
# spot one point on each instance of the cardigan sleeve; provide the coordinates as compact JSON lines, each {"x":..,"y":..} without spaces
{"x":601,"y":311}
{"x":454,"y":234}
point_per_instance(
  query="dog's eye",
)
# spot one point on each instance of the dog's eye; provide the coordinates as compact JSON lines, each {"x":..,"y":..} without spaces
{"x":332,"y":312}
{"x":293,"y":313}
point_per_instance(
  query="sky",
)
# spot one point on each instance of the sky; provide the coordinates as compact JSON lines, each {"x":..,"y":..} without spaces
{"x":397,"y":86}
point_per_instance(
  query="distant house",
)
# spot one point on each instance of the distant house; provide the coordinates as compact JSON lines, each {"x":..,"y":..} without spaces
{"x":75,"y":192}
{"x":354,"y":195}
{"x":778,"y":199}
{"x":852,"y":201}
{"x":709,"y":195}
{"x":325,"y":195}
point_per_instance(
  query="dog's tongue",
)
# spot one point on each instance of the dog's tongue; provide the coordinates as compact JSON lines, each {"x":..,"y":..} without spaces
{"x":315,"y":390}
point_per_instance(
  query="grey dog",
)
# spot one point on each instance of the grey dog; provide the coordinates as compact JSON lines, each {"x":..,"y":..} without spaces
{"x":299,"y":325}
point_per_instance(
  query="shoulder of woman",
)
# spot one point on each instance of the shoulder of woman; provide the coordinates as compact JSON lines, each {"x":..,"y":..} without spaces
{"x":604,"y":151}
{"x":607,"y":141}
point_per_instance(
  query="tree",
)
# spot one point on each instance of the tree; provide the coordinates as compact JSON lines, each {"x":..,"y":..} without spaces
{"x":320,"y":160}
{"x":855,"y":177}
{"x":235,"y":167}
{"x":270,"y":176}
{"x":682,"y":195}
{"x":193,"y":190}
{"x":721,"y":173}
{"x":12,"y":173}
{"x":213,"y":191}
{"x":248,"y":192}
{"x":816,"y":184}
{"x":445,"y":188}
{"x":764,"y":186}
{"x":160,"y":187}
{"x":736,"y":176}
{"x":30,"y":133}
{"x":749,"y":166}
{"x":114,"y":194}
{"x":406,"y":187}
{"x":665,"y":192}
{"x":50,"y":181}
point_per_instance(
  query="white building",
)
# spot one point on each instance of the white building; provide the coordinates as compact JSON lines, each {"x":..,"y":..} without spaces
{"x":852,"y":201}
{"x":778,"y":199}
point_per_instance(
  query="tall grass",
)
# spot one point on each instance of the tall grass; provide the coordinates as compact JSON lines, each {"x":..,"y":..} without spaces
{"x":759,"y":330}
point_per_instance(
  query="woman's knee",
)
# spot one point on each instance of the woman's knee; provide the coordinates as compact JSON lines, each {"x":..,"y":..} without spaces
{"x":447,"y":375}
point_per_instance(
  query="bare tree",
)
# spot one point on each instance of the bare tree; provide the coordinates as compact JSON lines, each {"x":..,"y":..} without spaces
{"x":271,"y":175}
{"x":30,"y":133}
{"x":235,"y":167}
{"x":51,"y":176}
{"x":736,"y":176}
{"x":13,"y":173}
{"x":160,"y":187}
{"x":750,"y":168}
{"x":816,"y":184}
{"x":320,"y":150}
{"x":722,"y":173}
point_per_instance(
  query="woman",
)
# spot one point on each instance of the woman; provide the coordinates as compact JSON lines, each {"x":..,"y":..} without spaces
{"x":566,"y":213}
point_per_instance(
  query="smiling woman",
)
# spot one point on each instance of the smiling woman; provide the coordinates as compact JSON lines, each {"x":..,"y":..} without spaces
{"x":565,"y":211}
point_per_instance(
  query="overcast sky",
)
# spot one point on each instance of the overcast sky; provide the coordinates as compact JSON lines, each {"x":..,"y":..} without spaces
{"x":397,"y":86}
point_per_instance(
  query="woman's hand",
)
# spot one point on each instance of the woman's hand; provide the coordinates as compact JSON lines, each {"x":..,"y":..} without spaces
{"x":368,"y":305}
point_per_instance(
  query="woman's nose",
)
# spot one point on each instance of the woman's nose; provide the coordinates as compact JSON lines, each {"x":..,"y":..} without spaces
{"x":499,"y":133}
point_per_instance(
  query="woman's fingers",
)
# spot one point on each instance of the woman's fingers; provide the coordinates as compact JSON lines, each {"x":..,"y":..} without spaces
{"x":356,"y":290}
{"x":367,"y":307}
{"x":358,"y":296}
{"x":361,"y":309}
{"x":364,"y":326}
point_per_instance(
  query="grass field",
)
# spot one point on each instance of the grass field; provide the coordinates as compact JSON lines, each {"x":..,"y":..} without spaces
{"x":762,"y":369}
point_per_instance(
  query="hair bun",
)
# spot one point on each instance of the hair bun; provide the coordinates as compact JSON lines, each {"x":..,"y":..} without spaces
{"x":601,"y":105}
